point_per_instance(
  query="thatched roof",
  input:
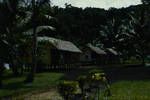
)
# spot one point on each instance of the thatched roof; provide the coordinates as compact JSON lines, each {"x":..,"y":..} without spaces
{"x":60,"y":44}
{"x":112,"y":51}
{"x":96,"y":49}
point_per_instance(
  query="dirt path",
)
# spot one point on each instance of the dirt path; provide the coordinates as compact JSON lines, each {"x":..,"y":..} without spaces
{"x":51,"y":94}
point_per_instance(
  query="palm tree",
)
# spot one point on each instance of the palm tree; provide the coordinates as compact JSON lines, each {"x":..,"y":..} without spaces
{"x":18,"y":18}
{"x":35,"y":30}
{"x":11,"y":13}
{"x":140,"y":35}
{"x":30,"y":77}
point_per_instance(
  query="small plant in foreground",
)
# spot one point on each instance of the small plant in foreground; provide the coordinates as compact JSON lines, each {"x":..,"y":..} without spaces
{"x":68,"y":89}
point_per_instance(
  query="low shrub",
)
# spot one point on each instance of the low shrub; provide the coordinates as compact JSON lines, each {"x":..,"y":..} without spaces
{"x":68,"y":89}
{"x":98,"y":78}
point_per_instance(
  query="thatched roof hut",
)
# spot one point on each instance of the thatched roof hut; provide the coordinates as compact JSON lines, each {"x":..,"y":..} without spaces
{"x":112,"y":51}
{"x":93,"y":55}
{"x":57,"y":51}
{"x":112,"y":56}
{"x":60,"y":44}
{"x":96,"y":49}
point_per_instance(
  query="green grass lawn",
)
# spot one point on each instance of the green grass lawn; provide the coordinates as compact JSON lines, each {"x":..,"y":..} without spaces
{"x":131,"y":83}
{"x":130,"y":90}
{"x":16,"y":87}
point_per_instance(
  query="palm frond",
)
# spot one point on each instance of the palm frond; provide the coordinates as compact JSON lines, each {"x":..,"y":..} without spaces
{"x":39,"y":29}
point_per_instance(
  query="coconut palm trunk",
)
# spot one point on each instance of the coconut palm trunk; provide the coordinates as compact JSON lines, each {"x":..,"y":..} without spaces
{"x":30,"y":77}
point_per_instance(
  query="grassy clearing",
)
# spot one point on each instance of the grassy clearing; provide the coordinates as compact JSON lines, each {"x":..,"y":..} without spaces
{"x":43,"y":81}
{"x":131,"y":83}
{"x":130,"y":90}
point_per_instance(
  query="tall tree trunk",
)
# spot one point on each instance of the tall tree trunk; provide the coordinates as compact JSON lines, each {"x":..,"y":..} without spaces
{"x":143,"y":60}
{"x":142,"y":54}
{"x":30,"y":77}
{"x":14,"y":65}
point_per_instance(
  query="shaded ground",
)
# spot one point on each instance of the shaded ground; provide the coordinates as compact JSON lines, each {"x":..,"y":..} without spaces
{"x":75,"y":73}
{"x":114,"y":73}
{"x":128,"y":73}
